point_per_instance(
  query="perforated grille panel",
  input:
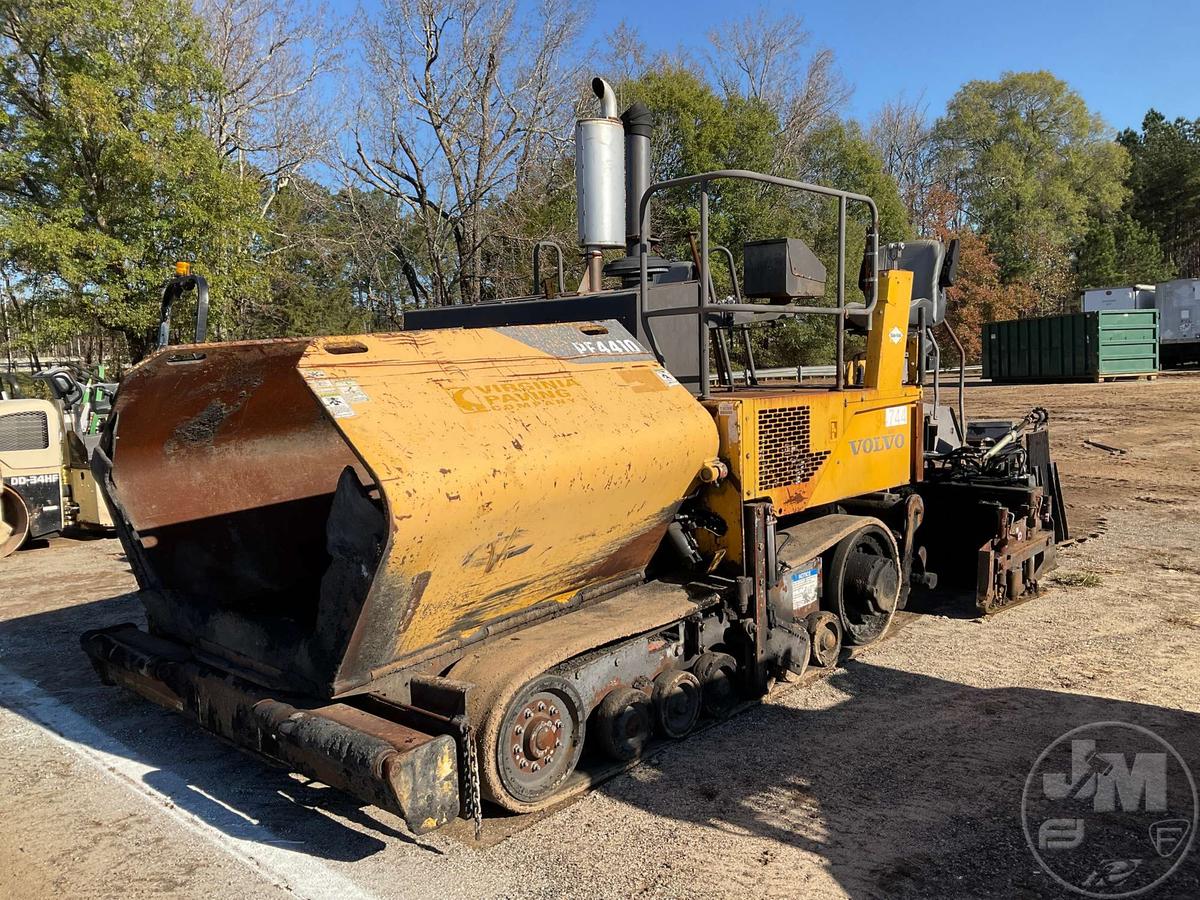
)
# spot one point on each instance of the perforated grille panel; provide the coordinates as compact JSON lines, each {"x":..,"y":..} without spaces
{"x":785,"y":454}
{"x":28,"y":430}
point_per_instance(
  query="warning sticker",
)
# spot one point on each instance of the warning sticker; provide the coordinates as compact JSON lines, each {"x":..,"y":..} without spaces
{"x":338,"y":407}
{"x":727,"y":419}
{"x":667,"y":378}
{"x":338,"y":395}
{"x":351,"y":392}
{"x":804,"y":584}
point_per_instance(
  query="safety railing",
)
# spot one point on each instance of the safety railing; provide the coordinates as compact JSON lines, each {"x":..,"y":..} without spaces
{"x":538,"y":287}
{"x":707,"y":307}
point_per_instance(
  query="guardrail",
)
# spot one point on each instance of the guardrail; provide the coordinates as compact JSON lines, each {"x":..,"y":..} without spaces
{"x":799,"y":373}
{"x":707,"y":307}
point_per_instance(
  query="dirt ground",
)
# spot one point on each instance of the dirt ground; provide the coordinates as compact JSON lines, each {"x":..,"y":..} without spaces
{"x":898,"y":775}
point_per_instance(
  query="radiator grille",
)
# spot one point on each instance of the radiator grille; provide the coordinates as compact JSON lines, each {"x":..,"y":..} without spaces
{"x":28,"y":430}
{"x":785,"y":454}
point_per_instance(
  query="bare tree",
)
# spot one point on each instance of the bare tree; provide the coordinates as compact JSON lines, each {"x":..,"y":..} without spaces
{"x":764,"y":56}
{"x":820,"y":94}
{"x":273,"y":57}
{"x":384,"y":247}
{"x":755,"y":55}
{"x":902,"y":133}
{"x":7,"y":299}
{"x":622,"y":54}
{"x":460,"y":95}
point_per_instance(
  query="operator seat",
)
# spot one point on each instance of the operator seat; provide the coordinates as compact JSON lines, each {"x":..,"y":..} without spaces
{"x":924,"y":259}
{"x":932,"y":265}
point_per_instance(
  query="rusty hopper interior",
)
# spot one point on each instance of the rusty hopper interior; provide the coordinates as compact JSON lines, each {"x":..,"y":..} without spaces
{"x":428,"y":567}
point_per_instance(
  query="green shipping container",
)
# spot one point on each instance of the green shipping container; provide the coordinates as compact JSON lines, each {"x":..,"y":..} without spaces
{"x":1085,"y":346}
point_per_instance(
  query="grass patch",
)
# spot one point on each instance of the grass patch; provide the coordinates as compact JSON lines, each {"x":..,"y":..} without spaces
{"x":1078,"y":579}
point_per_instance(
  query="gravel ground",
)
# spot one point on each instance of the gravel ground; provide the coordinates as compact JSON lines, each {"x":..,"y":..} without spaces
{"x":900,"y":774}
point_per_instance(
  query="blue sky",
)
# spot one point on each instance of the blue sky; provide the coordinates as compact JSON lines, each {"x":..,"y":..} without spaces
{"x":1122,"y":57}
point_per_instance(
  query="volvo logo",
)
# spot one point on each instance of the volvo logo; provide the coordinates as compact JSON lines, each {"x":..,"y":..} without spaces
{"x":877,"y":444}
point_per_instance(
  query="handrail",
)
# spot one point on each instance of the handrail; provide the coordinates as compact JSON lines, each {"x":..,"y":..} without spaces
{"x":737,"y":290}
{"x":537,"y":266}
{"x":705,"y":306}
{"x":173,"y":291}
{"x":751,"y":377}
{"x":962,"y":381}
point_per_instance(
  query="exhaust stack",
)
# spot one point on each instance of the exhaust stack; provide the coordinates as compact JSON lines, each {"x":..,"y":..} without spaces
{"x":600,"y":181}
{"x":638,"y":123}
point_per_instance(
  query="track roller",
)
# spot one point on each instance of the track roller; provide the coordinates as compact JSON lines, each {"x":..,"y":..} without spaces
{"x":623,"y":723}
{"x":677,"y":699}
{"x":825,"y":631}
{"x":717,"y":674}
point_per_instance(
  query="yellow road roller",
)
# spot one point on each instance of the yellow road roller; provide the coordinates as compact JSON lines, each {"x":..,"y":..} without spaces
{"x":451,"y":565}
{"x":45,"y":483}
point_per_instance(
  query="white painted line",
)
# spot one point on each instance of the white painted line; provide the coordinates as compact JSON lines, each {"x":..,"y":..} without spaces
{"x":300,"y":873}
{"x":225,"y":806}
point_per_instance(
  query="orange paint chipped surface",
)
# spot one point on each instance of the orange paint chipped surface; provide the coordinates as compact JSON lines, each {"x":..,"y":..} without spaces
{"x":512,"y":476}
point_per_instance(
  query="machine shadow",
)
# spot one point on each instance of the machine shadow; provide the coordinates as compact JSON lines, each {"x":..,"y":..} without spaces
{"x":241,"y":796}
{"x":908,"y":786}
{"x":898,"y":755}
{"x":951,"y":602}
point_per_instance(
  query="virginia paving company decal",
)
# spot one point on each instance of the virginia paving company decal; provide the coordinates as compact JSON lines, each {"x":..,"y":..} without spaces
{"x":895,"y":334}
{"x":877,"y":444}
{"x":510,"y":395}
{"x":337,"y":395}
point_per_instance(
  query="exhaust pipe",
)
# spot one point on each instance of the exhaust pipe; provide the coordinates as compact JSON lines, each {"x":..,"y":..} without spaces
{"x":607,"y":96}
{"x":600,"y":181}
{"x":638,"y":123}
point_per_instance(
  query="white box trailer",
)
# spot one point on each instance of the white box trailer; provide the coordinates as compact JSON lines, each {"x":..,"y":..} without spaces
{"x":1126,"y":296}
{"x":1179,"y":320}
